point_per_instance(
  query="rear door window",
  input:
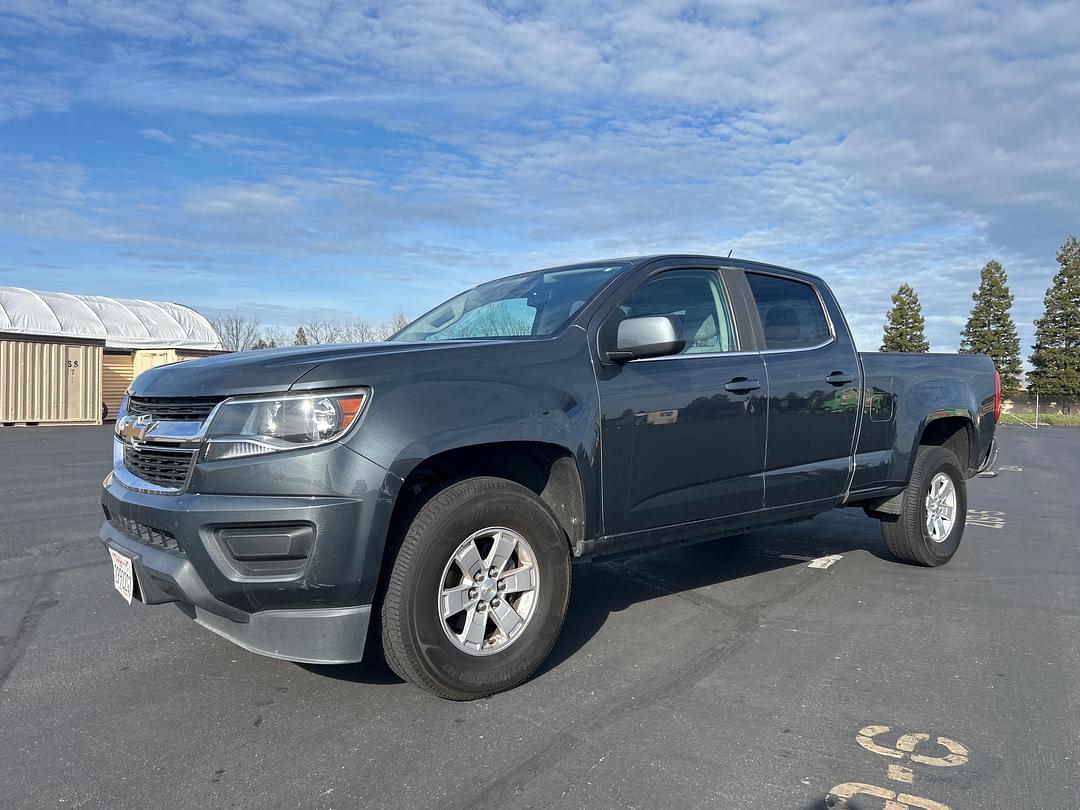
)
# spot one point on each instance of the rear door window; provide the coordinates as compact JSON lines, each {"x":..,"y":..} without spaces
{"x":791,"y":313}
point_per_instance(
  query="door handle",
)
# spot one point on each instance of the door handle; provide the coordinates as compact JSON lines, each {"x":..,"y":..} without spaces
{"x":839,"y":378}
{"x":741,"y":385}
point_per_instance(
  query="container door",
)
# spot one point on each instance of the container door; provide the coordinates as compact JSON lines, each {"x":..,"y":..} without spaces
{"x":117,"y":372}
{"x":74,"y":383}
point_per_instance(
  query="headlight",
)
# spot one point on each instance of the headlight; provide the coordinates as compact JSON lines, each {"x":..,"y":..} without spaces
{"x":254,"y":426}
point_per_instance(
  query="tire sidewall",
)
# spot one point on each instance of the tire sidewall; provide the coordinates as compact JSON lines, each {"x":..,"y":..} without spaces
{"x":439,"y":538}
{"x":937,"y":461}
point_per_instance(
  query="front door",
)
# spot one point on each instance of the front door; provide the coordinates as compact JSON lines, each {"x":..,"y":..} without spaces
{"x":813,"y":405}
{"x":683,"y":436}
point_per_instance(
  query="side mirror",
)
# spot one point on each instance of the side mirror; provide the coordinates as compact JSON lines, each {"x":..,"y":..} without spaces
{"x":647,"y":336}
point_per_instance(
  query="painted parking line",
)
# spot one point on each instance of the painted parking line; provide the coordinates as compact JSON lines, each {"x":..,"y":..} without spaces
{"x":986,"y":518}
{"x":814,"y":562}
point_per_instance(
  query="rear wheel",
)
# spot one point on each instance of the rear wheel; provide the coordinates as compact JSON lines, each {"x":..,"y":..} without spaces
{"x":477,"y":591}
{"x":931,"y":523}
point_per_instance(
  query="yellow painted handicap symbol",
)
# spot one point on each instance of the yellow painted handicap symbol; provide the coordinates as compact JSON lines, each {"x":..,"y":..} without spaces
{"x":839,"y":795}
{"x":920,"y":749}
{"x":956,"y":753}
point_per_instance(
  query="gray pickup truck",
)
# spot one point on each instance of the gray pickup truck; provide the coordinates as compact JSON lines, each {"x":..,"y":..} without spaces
{"x":427,"y":495}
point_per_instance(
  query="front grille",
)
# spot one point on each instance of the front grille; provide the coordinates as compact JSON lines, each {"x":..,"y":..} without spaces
{"x":186,"y":409}
{"x":147,"y":534}
{"x":166,"y":468}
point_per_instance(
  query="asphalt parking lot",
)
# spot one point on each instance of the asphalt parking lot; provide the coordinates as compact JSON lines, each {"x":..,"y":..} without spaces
{"x":726,"y":674}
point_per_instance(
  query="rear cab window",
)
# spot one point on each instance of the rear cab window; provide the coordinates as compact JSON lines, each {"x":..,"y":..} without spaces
{"x":790,"y":311}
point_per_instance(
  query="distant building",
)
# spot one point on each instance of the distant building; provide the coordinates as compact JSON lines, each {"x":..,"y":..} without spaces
{"x":67,"y":359}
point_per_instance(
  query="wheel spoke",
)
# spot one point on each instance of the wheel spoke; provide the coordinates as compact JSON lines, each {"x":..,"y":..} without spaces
{"x":506,"y":618}
{"x":475,"y":627}
{"x":455,"y":600}
{"x":469,"y":559}
{"x":519,"y":579}
{"x":501,"y":550}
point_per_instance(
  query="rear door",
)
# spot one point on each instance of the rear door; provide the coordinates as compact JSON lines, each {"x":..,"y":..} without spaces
{"x":683,"y":436}
{"x":813,"y":401}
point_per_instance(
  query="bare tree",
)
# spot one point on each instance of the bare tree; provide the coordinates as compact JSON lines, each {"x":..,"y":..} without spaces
{"x":323,"y":331}
{"x":271,"y":338}
{"x":315,"y":331}
{"x":238,"y":333}
{"x":396,"y":324}
{"x":359,"y":330}
{"x":277,"y":336}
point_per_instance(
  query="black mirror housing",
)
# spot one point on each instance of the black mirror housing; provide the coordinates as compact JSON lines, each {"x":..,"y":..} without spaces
{"x":647,"y":336}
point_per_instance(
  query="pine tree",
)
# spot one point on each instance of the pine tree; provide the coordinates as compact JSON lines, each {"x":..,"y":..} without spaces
{"x":990,"y":328}
{"x":905,"y":326}
{"x":1056,"y":358}
{"x":301,"y":337}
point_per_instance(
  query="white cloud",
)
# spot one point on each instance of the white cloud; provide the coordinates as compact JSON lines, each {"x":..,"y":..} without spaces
{"x":156,"y":135}
{"x":871,"y":142}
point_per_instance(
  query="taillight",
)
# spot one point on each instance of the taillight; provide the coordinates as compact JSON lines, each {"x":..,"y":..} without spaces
{"x":997,"y":396}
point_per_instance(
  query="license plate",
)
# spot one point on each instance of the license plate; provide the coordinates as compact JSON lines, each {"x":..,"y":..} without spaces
{"x":123,"y":574}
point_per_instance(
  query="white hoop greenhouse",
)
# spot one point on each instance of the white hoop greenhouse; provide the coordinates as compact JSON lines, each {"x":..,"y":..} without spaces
{"x":69,"y":358}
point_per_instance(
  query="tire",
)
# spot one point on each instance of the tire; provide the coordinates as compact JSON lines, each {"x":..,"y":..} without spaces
{"x":909,"y":537}
{"x":439,"y":652}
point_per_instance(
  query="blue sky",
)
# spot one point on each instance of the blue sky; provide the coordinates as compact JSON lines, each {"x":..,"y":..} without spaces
{"x":318,"y":159}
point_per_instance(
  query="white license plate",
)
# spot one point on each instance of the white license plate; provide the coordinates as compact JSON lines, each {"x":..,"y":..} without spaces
{"x":123,"y":575}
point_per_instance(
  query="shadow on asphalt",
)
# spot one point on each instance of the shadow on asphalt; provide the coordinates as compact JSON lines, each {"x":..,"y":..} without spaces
{"x":612,"y":584}
{"x":371,"y":670}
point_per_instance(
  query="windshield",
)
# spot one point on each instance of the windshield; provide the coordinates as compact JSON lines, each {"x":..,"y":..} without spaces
{"x":531,"y":305}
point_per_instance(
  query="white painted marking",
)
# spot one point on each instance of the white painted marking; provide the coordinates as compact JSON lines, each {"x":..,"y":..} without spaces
{"x":825,"y":562}
{"x":1010,"y":468}
{"x":988,"y":519}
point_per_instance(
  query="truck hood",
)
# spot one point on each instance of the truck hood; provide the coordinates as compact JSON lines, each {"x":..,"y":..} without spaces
{"x":270,"y":370}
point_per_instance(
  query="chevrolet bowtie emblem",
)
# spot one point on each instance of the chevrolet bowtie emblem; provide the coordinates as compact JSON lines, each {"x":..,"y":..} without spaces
{"x":135,"y":428}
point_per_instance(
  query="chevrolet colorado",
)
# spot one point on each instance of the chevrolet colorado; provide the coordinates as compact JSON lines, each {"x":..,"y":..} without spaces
{"x":430,"y":492}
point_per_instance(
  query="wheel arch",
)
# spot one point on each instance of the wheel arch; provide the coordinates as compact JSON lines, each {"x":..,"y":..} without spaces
{"x":953,"y":430}
{"x":549,"y":470}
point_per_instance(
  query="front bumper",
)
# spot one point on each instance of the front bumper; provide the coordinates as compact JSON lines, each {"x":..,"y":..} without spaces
{"x":315,"y":609}
{"x":310,"y":635}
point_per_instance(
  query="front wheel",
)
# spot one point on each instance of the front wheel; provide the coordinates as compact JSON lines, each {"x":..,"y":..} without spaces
{"x":477,"y":591}
{"x":931,"y":522}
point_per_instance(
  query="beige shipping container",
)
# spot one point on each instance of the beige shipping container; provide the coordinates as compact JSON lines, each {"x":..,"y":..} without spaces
{"x":152,"y":358}
{"x":145,"y":359}
{"x":49,"y":382}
